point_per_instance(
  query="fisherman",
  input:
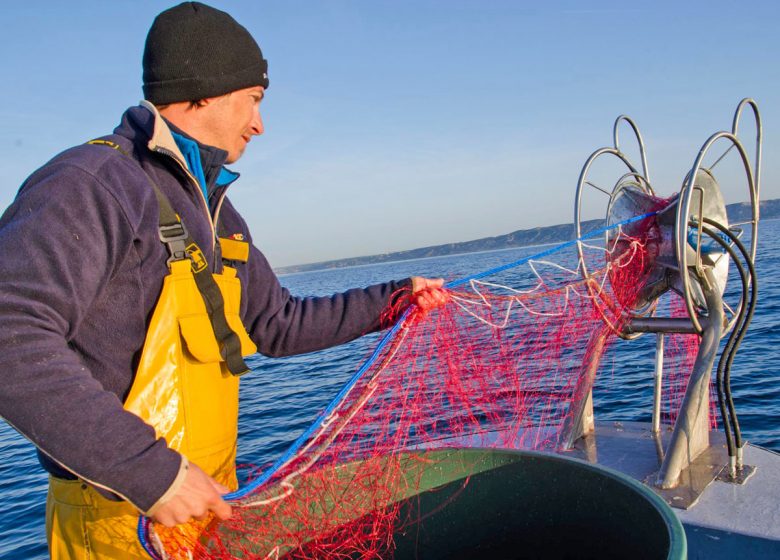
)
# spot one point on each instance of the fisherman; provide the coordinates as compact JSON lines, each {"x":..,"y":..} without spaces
{"x":131,"y":292}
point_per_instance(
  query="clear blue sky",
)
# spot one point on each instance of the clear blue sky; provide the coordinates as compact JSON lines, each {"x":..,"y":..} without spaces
{"x":392,"y":125}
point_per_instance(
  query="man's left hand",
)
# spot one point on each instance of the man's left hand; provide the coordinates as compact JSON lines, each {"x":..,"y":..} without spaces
{"x":427,"y":293}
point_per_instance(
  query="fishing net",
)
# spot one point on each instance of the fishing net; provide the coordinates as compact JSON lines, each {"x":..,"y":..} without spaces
{"x":502,"y":365}
{"x":679,"y":355}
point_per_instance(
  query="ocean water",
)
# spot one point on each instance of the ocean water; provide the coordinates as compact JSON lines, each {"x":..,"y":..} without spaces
{"x":282,"y":397}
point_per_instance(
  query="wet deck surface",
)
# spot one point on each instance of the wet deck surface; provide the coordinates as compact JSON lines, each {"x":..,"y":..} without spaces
{"x":722,"y":519}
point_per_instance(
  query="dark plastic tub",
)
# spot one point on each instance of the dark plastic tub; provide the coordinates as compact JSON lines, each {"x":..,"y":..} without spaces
{"x":533,"y":505}
{"x":485,"y":503}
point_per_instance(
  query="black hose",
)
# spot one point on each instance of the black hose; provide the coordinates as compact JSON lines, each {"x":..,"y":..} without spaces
{"x":738,"y":334}
{"x":725,"y":403}
{"x":725,"y":409}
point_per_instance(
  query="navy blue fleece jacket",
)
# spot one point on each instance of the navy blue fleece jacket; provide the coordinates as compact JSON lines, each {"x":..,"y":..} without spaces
{"x":82,"y":268}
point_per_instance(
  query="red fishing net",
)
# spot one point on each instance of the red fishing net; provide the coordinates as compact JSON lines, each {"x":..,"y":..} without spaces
{"x":679,"y":355}
{"x":496,"y":367}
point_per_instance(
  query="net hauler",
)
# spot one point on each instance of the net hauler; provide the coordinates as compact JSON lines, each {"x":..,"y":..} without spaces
{"x":691,"y":252}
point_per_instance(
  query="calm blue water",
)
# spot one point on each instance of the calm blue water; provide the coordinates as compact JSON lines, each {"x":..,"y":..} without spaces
{"x":283,"y":396}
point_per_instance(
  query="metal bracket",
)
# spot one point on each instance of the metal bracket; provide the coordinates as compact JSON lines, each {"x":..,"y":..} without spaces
{"x":691,"y":431}
{"x":741,"y":477}
{"x":580,"y":420}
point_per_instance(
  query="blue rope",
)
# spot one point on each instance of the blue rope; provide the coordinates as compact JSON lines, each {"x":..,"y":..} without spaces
{"x":143,"y":531}
{"x":143,"y":525}
{"x":262,"y":479}
{"x":298,"y":443}
{"x":317,"y":424}
{"x":548,"y":252}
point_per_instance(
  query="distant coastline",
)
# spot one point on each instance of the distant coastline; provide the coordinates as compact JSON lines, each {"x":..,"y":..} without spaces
{"x":560,"y":233}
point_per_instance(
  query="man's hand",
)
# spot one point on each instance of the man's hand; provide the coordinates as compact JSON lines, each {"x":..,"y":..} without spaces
{"x":198,"y":495}
{"x":427,"y":293}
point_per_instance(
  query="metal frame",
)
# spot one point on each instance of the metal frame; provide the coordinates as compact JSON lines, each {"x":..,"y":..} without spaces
{"x":691,"y":432}
{"x":579,"y":421}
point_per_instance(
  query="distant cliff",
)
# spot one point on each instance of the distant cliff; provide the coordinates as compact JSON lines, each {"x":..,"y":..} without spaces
{"x":521,"y":238}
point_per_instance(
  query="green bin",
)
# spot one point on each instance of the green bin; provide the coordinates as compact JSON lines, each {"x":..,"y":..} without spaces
{"x":520,"y":504}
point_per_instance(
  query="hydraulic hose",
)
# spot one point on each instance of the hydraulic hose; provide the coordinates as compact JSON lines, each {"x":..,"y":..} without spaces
{"x":739,"y":333}
{"x":724,"y":402}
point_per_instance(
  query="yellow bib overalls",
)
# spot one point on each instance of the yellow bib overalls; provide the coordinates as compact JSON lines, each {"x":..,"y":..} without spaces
{"x":184,"y":390}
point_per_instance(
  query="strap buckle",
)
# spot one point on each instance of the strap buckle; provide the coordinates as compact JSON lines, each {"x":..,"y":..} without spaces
{"x":175,"y":236}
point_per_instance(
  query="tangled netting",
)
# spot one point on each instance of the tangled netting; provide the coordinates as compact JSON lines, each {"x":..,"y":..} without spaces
{"x":496,"y":367}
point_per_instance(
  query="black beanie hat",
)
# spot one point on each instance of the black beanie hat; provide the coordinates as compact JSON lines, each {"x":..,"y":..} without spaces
{"x":194,"y":51}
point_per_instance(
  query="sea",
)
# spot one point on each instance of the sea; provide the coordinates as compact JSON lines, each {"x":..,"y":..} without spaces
{"x":282,"y":397}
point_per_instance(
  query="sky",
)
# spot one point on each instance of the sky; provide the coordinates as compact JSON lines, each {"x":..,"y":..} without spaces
{"x":393,"y":125}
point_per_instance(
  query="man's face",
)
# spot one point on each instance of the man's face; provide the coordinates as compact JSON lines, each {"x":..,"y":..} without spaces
{"x":232,"y":119}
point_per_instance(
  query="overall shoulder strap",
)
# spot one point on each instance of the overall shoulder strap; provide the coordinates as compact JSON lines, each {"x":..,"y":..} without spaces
{"x":181,"y":245}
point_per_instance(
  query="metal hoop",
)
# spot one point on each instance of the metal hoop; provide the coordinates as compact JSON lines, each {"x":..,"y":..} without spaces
{"x":640,"y":142}
{"x":581,"y":183}
{"x":756,"y":163}
{"x":578,"y":196}
{"x":683,"y":211}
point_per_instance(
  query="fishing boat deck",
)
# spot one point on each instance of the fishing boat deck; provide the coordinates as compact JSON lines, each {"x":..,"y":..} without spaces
{"x":721,"y":519}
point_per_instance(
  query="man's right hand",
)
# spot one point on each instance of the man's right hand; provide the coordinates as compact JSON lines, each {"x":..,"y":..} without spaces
{"x":198,"y":495}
